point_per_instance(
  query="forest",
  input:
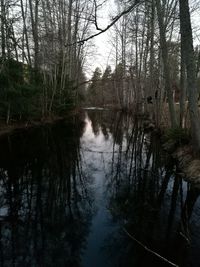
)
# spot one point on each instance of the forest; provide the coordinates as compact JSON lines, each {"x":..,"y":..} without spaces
{"x":99,"y":161}
{"x":44,"y":50}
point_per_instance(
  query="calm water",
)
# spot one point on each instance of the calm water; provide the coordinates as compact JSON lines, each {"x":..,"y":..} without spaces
{"x":68,"y":191}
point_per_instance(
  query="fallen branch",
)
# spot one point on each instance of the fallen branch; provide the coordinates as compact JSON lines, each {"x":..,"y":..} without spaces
{"x":185,"y":237}
{"x":149,"y":250}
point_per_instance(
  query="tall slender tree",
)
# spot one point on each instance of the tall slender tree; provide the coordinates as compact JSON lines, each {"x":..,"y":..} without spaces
{"x":189,"y":59}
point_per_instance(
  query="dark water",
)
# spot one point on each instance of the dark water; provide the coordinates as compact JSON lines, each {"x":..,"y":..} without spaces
{"x":68,"y":191}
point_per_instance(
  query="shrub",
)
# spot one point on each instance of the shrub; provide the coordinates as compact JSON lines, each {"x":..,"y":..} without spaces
{"x":179,"y":135}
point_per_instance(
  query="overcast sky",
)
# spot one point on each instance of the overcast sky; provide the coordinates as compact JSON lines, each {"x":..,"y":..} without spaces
{"x":102,"y":52}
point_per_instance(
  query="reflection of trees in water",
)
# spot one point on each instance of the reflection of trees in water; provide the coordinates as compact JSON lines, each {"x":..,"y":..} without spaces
{"x":102,"y":120}
{"x":44,"y":198}
{"x":148,"y":198}
{"x":95,"y":118}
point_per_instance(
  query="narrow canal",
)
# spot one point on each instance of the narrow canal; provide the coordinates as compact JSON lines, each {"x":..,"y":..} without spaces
{"x":70,"y":191}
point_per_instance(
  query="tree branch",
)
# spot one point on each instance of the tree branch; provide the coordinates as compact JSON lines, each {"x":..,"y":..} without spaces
{"x":114,"y":20}
{"x":149,"y":250}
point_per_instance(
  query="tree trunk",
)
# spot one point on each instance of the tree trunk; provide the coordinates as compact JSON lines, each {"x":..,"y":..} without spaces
{"x":3,"y":38}
{"x":25,"y":32}
{"x":164,"y":51}
{"x":188,"y":54}
{"x":182,"y":89}
{"x":34,"y":24}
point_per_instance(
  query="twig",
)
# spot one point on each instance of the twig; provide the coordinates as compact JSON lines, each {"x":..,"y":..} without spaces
{"x":185,"y":237}
{"x":149,"y":250}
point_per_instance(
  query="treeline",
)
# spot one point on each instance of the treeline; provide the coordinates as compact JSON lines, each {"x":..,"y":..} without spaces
{"x":150,"y":43}
{"x":122,"y":88}
{"x":153,"y":46}
{"x":106,"y":89}
{"x":41,"y":59}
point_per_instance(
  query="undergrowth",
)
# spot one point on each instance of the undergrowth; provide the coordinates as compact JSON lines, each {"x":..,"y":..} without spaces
{"x":179,"y":135}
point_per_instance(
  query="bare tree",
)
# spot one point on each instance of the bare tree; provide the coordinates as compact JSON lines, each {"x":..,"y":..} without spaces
{"x":188,"y":58}
{"x":164,"y":51}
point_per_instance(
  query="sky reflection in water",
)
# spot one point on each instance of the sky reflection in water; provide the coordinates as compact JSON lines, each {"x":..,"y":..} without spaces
{"x":67,"y":191}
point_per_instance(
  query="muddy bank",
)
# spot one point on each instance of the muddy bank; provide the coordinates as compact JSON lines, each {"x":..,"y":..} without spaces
{"x":10,"y":128}
{"x":29,"y":124}
{"x":188,"y":166}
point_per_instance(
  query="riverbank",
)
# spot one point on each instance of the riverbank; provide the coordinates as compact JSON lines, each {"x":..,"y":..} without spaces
{"x":187,"y":162}
{"x":15,"y":126}
{"x":177,"y":143}
{"x":188,"y":166}
{"x":33,"y":123}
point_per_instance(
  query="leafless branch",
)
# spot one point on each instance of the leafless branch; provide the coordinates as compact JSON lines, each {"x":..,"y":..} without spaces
{"x":114,"y":20}
{"x":149,"y":250}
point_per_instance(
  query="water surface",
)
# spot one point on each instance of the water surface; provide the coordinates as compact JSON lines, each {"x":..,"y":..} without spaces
{"x":68,"y":191}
